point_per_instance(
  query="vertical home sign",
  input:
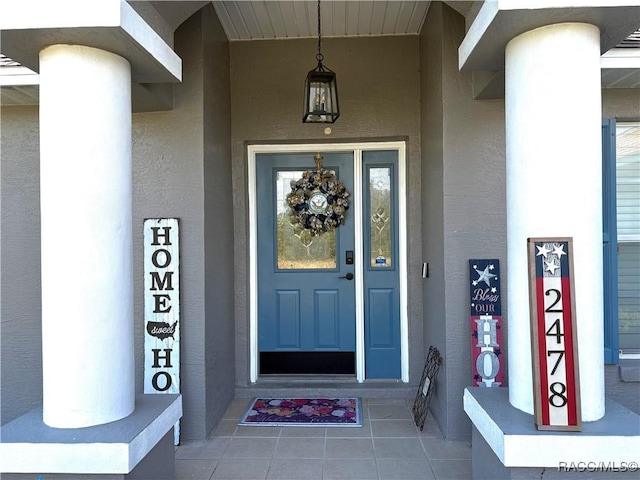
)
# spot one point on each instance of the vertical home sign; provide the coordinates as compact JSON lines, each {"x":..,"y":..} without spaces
{"x":486,"y":319}
{"x":162,"y":306}
{"x":553,"y":334}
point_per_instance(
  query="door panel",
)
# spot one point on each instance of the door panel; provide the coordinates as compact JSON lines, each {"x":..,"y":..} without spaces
{"x":327,"y":331}
{"x":287,"y":321}
{"x":381,"y":272}
{"x":380,"y":329}
{"x":303,"y":303}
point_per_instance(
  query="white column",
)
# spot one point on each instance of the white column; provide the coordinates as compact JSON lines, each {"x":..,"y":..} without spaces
{"x":86,"y":210}
{"x":554,"y":189}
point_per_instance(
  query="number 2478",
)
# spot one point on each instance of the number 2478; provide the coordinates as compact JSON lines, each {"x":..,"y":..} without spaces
{"x":557,"y":397}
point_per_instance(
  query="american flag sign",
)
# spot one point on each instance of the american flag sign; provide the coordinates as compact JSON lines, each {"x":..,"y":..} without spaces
{"x":553,"y":334}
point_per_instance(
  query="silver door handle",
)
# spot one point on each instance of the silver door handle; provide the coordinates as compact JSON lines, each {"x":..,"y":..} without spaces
{"x":348,"y":276}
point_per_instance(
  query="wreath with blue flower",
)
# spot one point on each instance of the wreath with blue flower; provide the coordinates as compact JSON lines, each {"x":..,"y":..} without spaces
{"x":318,"y":202}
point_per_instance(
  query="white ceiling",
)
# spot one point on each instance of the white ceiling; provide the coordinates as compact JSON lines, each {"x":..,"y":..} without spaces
{"x":243,"y":20}
{"x":282,"y":19}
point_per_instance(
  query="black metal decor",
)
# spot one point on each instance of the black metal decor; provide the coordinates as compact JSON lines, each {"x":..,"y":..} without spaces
{"x":427,"y":384}
{"x":321,"y":90}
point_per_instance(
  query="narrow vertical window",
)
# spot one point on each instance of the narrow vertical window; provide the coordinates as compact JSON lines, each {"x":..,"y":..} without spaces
{"x":380,"y":195}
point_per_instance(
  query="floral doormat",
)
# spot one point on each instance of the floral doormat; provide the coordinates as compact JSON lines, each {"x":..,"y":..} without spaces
{"x":304,"y":412}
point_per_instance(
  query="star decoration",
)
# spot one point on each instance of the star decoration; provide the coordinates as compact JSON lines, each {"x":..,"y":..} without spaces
{"x":558,"y":250}
{"x":543,"y":250}
{"x":494,"y":289}
{"x":485,"y":276}
{"x":551,"y":266}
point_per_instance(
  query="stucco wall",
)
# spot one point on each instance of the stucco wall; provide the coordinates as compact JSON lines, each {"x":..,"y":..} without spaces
{"x":464,"y":164}
{"x":218,"y":221}
{"x":182,"y":169}
{"x":432,"y":197}
{"x":621,"y":104}
{"x":20,"y":334}
{"x":378,"y":83}
{"x":168,"y":182}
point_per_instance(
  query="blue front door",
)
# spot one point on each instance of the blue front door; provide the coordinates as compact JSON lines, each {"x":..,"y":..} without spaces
{"x":306,"y":295}
{"x":309,"y":319}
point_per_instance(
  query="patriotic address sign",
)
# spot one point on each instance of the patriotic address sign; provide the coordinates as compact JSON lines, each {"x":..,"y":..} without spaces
{"x":553,"y":334}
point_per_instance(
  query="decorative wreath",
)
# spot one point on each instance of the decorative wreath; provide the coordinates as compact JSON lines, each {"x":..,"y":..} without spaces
{"x":318,"y":201}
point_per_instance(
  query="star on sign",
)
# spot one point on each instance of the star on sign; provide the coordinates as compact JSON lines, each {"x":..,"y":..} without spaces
{"x":543,"y":250}
{"x":485,"y":276}
{"x":558,"y":250}
{"x":551,"y":266}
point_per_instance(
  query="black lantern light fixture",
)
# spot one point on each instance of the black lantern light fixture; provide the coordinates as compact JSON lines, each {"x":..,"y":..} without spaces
{"x":321,"y":90}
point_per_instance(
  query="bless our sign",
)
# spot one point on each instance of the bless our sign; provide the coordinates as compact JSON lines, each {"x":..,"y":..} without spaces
{"x":486,"y":323}
{"x":161,"y":306}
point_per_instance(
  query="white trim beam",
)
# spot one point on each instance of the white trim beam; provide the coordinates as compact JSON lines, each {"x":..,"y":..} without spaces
{"x":499,"y":21}
{"x":110,"y":25}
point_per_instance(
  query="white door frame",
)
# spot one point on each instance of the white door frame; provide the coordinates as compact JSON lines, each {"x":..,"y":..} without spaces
{"x":357,"y":149}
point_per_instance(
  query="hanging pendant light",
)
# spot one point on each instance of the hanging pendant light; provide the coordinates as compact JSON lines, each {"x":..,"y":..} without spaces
{"x":321,"y":90}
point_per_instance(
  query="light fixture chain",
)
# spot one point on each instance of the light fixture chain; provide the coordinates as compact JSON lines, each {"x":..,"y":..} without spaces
{"x":319,"y":57}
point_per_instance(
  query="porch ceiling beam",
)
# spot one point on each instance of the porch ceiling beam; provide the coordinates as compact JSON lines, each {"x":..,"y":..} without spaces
{"x":111,"y":25}
{"x":499,"y":21}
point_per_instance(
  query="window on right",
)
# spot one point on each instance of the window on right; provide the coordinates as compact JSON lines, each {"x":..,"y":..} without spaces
{"x":627,"y":196}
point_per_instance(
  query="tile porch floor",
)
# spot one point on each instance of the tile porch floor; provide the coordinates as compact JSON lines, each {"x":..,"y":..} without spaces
{"x":387,"y":446}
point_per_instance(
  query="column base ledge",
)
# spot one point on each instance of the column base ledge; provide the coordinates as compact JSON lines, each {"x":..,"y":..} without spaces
{"x":613,"y":441}
{"x":30,"y":446}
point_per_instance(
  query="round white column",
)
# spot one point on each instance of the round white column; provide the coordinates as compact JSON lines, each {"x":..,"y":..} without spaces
{"x":554,"y":189}
{"x":86,"y":210}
